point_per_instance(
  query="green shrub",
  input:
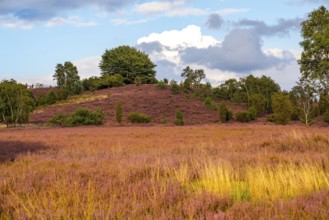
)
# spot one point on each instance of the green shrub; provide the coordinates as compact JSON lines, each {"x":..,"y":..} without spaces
{"x":258,"y":101}
{"x":118,"y":112}
{"x":326,"y":116}
{"x":62,"y":94}
{"x":272,"y":118}
{"x":252,"y":113}
{"x":282,"y":107}
{"x":174,"y":87}
{"x":324,"y":103}
{"x":139,"y":118}
{"x":296,"y":113}
{"x":179,"y":118}
{"x":51,"y":98}
{"x":161,"y":85}
{"x":42,"y":100}
{"x":138,"y":81}
{"x":225,"y":114}
{"x":164,"y":121}
{"x":78,"y":118}
{"x":209,"y":103}
{"x":242,"y":116}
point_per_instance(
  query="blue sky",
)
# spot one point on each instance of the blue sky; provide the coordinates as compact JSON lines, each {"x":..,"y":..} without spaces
{"x":226,"y":38}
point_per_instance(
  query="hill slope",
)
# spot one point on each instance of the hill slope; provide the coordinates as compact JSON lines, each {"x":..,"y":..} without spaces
{"x":159,"y":104}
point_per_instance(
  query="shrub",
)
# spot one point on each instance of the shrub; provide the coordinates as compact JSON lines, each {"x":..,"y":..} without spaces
{"x":51,"y":98}
{"x":78,"y":118}
{"x":138,"y":81}
{"x":139,"y":118}
{"x":324,"y":103}
{"x":225,"y":114}
{"x":272,"y":118}
{"x":42,"y":100}
{"x":164,"y":121}
{"x":252,"y":113}
{"x":258,"y":101}
{"x":296,"y":113}
{"x":243,"y":116}
{"x":118,"y":112}
{"x":209,"y":103}
{"x":174,"y":87}
{"x":282,"y":107}
{"x":165,"y":80}
{"x":179,"y":119}
{"x":326,"y":116}
{"x":161,"y":85}
{"x":62,"y":94}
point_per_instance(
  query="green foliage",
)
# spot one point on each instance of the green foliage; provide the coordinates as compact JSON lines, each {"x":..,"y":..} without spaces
{"x":203,"y":91}
{"x":129,"y":63}
{"x":258,"y":101}
{"x":326,"y":116}
{"x":243,"y":116}
{"x":192,"y":77}
{"x":165,"y":80}
{"x":282,"y":108}
{"x":225,"y":114}
{"x":16,"y":103}
{"x":179,"y":118}
{"x":62,"y":94}
{"x":324,"y":104}
{"x":67,"y":77}
{"x":209,"y":103}
{"x":118,"y":112}
{"x":51,"y":97}
{"x":138,"y":81}
{"x":296,"y":113}
{"x":164,"y":121}
{"x":174,"y":87}
{"x":314,"y":62}
{"x":42,"y":100}
{"x":103,"y":82}
{"x":139,"y":118}
{"x":79,"y":118}
{"x":161,"y":85}
{"x":252,"y":113}
{"x":273,"y":118}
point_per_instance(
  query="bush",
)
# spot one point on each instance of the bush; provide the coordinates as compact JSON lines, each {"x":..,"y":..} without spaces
{"x":179,"y":119}
{"x":164,"y":121}
{"x":209,"y":103}
{"x":324,"y":103}
{"x":225,"y":114}
{"x":62,"y":94}
{"x":252,"y":113}
{"x":326,"y":116}
{"x":118,"y":112}
{"x":174,"y":87}
{"x":165,"y":80}
{"x":51,"y":98}
{"x":138,"y":81}
{"x":161,"y":85}
{"x":296,"y":113}
{"x":272,"y":118}
{"x":139,"y":118}
{"x":282,"y":107}
{"x":243,"y":116}
{"x":42,"y":100}
{"x":258,"y":101}
{"x":78,"y":118}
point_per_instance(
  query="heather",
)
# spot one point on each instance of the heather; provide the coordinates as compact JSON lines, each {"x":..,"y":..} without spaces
{"x":165,"y":172}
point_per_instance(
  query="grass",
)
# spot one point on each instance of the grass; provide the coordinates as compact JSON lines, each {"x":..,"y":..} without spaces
{"x":192,"y":172}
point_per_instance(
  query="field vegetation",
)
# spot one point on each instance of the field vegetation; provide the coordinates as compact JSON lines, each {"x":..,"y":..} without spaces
{"x":160,"y":172}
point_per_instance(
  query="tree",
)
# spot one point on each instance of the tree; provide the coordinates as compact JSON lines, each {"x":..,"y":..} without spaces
{"x":282,"y":108}
{"x":67,"y":77}
{"x":304,"y":97}
{"x":16,"y":103}
{"x":314,"y":62}
{"x":258,"y":101}
{"x":118,"y":112}
{"x":193,"y":77}
{"x":129,"y":63}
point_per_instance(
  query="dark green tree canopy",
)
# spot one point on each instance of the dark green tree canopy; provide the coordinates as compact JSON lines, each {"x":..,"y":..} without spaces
{"x":193,"y":77}
{"x":67,"y":77}
{"x":16,"y":102}
{"x":128,"y":62}
{"x":314,"y":62}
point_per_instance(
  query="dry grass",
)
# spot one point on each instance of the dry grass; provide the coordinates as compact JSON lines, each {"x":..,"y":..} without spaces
{"x":213,"y":172}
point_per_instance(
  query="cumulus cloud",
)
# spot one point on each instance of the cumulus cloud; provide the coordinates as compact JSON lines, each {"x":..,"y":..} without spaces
{"x":214,"y":21}
{"x":284,"y":26}
{"x":88,"y":66}
{"x":12,"y":22}
{"x":241,"y":52}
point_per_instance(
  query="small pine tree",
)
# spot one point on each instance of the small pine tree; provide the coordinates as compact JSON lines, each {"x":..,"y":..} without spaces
{"x":118,"y":112}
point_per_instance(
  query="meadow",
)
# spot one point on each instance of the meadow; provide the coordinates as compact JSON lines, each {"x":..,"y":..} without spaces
{"x":228,"y":171}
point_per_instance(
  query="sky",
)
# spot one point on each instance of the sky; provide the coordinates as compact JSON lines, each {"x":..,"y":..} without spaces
{"x":226,"y":38}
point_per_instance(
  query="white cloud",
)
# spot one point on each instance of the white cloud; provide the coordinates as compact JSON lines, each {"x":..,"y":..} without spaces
{"x":191,"y":36}
{"x":11,"y":22}
{"x":88,"y":66}
{"x":72,"y":20}
{"x":122,"y":21}
{"x":168,"y":8}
